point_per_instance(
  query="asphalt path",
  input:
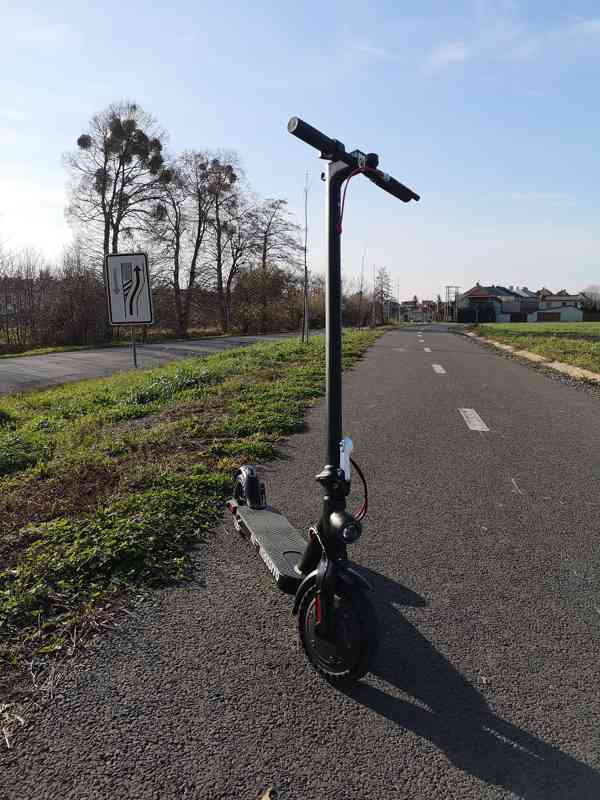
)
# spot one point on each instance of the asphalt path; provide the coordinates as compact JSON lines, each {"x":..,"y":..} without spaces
{"x":32,"y":372}
{"x":483,"y":549}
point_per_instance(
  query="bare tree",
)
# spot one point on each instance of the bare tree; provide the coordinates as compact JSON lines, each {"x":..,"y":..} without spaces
{"x":593,"y":292}
{"x":223,"y":187}
{"x":278,"y":240}
{"x":179,"y":227}
{"x":22,"y":278}
{"x":383,"y":292}
{"x":241,"y":234}
{"x":117,"y":172}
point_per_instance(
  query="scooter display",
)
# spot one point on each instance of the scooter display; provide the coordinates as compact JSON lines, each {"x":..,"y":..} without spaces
{"x":336,"y":621}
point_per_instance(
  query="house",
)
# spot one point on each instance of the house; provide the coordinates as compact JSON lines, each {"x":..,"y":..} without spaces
{"x":559,"y":307}
{"x":413,"y":311}
{"x":409,"y":309}
{"x":490,"y":304}
{"x":514,"y":304}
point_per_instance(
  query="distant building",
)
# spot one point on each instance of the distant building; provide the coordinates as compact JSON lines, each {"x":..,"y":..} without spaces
{"x":502,"y":304}
{"x":559,"y":307}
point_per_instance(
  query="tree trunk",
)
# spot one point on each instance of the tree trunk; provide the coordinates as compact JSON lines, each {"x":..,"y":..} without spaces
{"x":115,"y":238}
{"x":179,"y":309}
{"x":220,"y":288}
{"x":263,"y":287}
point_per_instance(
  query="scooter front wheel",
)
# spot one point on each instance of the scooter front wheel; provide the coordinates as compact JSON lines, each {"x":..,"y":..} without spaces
{"x":353,"y":643}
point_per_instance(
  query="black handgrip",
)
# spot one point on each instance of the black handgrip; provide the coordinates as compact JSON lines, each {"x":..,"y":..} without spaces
{"x":312,"y":136}
{"x":391,"y":185}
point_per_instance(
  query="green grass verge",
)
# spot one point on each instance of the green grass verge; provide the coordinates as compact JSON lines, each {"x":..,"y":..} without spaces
{"x":576,"y":343}
{"x":577,"y":330}
{"x":104,"y":484}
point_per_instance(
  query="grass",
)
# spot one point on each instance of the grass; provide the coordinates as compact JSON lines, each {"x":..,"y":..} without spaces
{"x":566,"y":329}
{"x":576,"y":343}
{"x":105,"y":484}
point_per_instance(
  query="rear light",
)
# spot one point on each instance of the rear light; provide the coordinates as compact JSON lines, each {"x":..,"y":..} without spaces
{"x":318,"y":609}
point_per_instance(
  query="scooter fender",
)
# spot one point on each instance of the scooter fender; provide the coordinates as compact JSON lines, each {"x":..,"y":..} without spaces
{"x":346,"y":575}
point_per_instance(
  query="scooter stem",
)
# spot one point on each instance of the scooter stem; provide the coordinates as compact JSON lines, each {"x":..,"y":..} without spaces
{"x":337,"y":173}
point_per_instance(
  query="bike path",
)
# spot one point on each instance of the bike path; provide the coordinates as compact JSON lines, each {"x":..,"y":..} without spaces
{"x":482,"y":546}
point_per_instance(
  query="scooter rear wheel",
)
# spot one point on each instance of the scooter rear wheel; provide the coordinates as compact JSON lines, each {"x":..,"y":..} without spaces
{"x":349,"y":652}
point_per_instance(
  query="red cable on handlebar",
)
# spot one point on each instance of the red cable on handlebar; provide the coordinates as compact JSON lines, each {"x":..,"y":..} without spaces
{"x":352,"y":174}
{"x":359,"y":171}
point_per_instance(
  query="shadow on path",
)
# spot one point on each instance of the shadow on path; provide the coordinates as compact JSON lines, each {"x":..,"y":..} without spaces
{"x":458,"y":720}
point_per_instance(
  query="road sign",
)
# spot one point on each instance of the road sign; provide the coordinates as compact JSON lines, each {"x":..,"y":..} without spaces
{"x":128,"y":289}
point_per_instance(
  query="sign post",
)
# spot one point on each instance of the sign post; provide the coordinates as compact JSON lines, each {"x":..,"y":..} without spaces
{"x":134,"y":347}
{"x":128,"y":292}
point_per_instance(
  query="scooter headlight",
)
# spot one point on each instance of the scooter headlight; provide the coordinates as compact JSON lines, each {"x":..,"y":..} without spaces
{"x":351,"y":532}
{"x":343,"y":524}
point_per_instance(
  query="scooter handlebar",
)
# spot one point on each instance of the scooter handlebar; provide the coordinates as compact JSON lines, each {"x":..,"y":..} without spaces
{"x":332,"y":147}
{"x":391,"y":185}
{"x":312,"y":136}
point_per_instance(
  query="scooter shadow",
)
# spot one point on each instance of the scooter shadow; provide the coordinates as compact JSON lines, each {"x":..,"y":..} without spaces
{"x":457,"y":719}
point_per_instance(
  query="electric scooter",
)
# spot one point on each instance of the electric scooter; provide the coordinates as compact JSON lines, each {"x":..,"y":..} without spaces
{"x":336,"y":621}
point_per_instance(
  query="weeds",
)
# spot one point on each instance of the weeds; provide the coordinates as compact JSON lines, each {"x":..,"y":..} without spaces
{"x":105,"y":484}
{"x":571,"y":343}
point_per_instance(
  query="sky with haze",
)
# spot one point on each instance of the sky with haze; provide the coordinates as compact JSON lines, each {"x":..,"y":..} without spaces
{"x":489,"y":110}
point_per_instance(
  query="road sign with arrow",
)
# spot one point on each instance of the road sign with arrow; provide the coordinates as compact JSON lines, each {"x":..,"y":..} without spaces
{"x":128,"y":289}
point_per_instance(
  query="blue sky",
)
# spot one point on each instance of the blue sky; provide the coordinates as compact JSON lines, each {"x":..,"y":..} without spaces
{"x":489,"y":110}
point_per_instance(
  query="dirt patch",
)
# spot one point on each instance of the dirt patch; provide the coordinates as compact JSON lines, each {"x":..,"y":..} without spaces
{"x":578,"y":373}
{"x":574,"y":372}
{"x":41,"y":499}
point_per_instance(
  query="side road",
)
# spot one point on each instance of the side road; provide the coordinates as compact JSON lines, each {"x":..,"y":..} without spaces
{"x":481,"y":543}
{"x":32,"y":372}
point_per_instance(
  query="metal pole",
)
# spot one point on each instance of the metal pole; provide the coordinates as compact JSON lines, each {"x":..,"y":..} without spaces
{"x":305,"y":321}
{"x":134,"y":346}
{"x":373,"y":301}
{"x":360,"y":296}
{"x":338,"y":172}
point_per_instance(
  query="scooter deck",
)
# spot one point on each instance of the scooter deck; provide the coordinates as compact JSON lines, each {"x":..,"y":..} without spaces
{"x":278,"y":544}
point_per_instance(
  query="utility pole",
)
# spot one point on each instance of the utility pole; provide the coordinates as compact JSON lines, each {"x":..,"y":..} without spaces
{"x":373,"y":301}
{"x":451,"y":300}
{"x":360,"y":292}
{"x":305,"y":313}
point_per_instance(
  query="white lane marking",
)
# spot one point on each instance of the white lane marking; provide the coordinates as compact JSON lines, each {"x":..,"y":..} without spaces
{"x":439,"y":369}
{"x":516,"y":490}
{"x":427,"y":349}
{"x":472,"y":419}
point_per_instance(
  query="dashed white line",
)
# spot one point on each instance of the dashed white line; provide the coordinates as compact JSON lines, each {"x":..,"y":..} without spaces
{"x":516,"y":490}
{"x":439,"y":369}
{"x":472,"y":419}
